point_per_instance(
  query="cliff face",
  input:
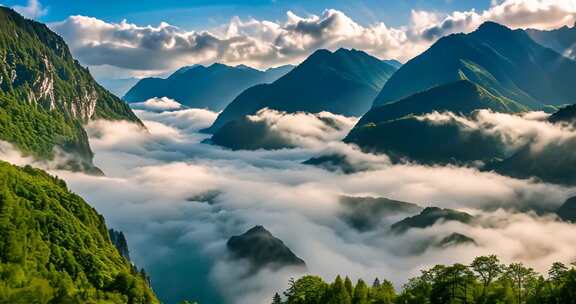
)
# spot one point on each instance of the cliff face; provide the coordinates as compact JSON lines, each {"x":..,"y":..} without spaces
{"x":41,"y":81}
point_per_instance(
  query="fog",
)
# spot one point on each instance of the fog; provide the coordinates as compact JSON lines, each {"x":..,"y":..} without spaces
{"x":155,"y":180}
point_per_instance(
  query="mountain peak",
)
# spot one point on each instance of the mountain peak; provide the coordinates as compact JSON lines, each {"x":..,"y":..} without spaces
{"x":262,"y":249}
{"x":492,"y":26}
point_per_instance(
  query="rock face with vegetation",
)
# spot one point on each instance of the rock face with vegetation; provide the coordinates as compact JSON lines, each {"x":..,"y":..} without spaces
{"x":342,"y":82}
{"x":55,"y":248}
{"x":261,"y":249}
{"x":506,"y":63}
{"x":46,"y":96}
{"x":212,"y":87}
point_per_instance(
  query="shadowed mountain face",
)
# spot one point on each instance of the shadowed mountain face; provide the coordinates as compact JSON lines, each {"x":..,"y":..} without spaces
{"x":262,"y":249}
{"x":567,"y":211}
{"x":342,"y":82}
{"x":46,"y":96}
{"x":212,"y":87}
{"x":562,"y":40}
{"x":430,"y":216}
{"x":506,"y":63}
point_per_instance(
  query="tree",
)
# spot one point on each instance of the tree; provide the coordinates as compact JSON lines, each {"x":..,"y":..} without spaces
{"x":360,"y":293}
{"x":488,"y":268}
{"x":276,"y":299}
{"x":383,"y":294}
{"x":521,"y":276}
{"x":348,"y":285}
{"x":557,"y":271}
{"x":338,"y":293}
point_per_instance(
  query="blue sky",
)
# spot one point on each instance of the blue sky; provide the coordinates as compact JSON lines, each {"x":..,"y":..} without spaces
{"x":203,"y":14}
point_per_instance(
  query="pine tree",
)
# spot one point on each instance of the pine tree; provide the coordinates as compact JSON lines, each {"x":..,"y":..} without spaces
{"x":360,"y":293}
{"x":276,"y":299}
{"x":348,"y":285}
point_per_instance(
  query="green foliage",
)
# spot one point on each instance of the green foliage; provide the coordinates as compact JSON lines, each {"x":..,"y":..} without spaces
{"x":36,"y":132}
{"x":484,"y":281}
{"x":46,"y":95}
{"x":54,"y":247}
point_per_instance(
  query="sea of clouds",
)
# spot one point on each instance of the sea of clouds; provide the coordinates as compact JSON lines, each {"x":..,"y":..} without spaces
{"x":178,"y":200}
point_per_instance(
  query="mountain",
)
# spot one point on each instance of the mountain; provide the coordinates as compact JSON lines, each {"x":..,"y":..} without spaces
{"x":504,"y":62}
{"x":212,"y":87}
{"x":366,"y":213}
{"x":456,"y":239}
{"x":567,"y":211}
{"x":430,"y":216}
{"x":262,"y":249}
{"x":342,"y":82}
{"x":384,"y":129}
{"x":46,"y":96}
{"x":566,"y":114}
{"x":55,"y":248}
{"x":462,"y":96}
{"x":562,"y":40}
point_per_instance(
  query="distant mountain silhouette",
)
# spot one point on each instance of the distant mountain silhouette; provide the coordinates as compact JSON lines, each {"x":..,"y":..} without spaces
{"x":211,"y":87}
{"x":262,"y":249}
{"x":562,"y":40}
{"x":430,"y":216}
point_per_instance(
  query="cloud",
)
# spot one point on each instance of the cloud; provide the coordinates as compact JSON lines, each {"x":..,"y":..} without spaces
{"x":144,"y":50}
{"x":271,"y":129}
{"x":33,"y":9}
{"x":156,"y":178}
{"x":157,"y":104}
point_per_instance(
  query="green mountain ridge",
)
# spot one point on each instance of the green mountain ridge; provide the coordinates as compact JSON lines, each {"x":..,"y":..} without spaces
{"x":342,"y":82}
{"x":55,"y":248}
{"x":507,"y":63}
{"x":396,"y":129}
{"x":46,"y":96}
{"x":461,"y":96}
{"x":212,"y":87}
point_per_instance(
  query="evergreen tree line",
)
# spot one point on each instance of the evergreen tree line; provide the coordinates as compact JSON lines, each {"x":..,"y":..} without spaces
{"x":485,"y":281}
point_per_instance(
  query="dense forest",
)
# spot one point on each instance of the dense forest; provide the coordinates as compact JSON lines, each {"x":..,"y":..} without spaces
{"x":485,"y":280}
{"x":55,"y":248}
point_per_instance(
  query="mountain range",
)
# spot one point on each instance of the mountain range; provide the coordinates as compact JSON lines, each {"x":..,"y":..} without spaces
{"x":342,"y":82}
{"x":507,"y":63}
{"x":46,"y":96}
{"x":212,"y":87}
{"x":492,"y":68}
